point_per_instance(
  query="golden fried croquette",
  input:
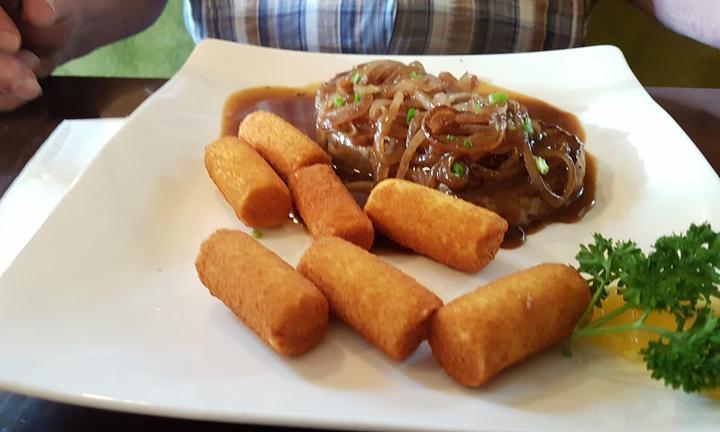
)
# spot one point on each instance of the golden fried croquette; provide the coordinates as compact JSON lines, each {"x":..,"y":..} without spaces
{"x":387,"y":307}
{"x":280,"y":143}
{"x":481,"y":333}
{"x":251,"y":187}
{"x":444,"y":228}
{"x":327,"y":208}
{"x":276,"y":302}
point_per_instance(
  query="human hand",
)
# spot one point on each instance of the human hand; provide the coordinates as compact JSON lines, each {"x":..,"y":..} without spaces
{"x":43,"y":34}
{"x":18,"y":82}
{"x":47,"y":32}
{"x":50,"y":30}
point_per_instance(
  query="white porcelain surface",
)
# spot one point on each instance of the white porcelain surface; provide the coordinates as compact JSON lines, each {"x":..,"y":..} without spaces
{"x":103,"y":306}
{"x":45,"y":179}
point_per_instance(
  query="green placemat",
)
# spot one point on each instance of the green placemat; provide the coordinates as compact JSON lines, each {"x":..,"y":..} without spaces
{"x":157,"y":52}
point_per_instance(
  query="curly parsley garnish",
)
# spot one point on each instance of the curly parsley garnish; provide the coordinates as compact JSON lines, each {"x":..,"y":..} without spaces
{"x":681,"y":276}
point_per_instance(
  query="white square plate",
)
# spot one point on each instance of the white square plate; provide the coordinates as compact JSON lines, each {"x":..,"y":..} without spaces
{"x":103,"y":307}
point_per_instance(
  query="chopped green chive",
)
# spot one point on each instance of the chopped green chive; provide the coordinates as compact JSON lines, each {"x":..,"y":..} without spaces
{"x":478,"y":107}
{"x":257,"y":233}
{"x":358,"y":96}
{"x":527,"y":125}
{"x":467,"y":143}
{"x":497,"y":98}
{"x":410,"y":115}
{"x":458,"y":169}
{"x":356,"y":77}
{"x":339,"y":101}
{"x":416,"y":76}
{"x":450,"y":137}
{"x":541,"y":165}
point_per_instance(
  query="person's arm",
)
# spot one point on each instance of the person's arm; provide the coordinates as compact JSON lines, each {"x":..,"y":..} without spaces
{"x":66,"y":29}
{"x":55,"y":31}
{"x":696,"y":19}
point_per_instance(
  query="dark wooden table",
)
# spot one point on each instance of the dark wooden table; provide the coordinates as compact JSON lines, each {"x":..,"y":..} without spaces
{"x":23,"y":131}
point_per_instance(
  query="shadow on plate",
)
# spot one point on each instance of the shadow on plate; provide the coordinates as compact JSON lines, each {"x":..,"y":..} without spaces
{"x":340,"y":361}
{"x":545,"y":383}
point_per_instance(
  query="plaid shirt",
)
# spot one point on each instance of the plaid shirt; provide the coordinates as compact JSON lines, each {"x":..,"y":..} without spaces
{"x":393,"y":26}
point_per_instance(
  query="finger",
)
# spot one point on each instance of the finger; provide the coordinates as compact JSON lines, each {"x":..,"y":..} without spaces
{"x":30,"y":60}
{"x":46,"y":67}
{"x":9,"y":102}
{"x":41,"y":66}
{"x":9,"y":35}
{"x":17,"y":79}
{"x":39,"y":13}
{"x":47,"y":40}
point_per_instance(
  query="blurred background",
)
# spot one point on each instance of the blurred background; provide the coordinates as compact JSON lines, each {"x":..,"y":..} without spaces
{"x":656,"y":55}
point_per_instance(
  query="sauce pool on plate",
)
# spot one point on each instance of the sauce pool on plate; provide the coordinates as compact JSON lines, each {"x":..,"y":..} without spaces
{"x":296,"y":105}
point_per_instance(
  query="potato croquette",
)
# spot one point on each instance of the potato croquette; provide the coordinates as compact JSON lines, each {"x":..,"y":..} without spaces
{"x":444,"y":228}
{"x":251,"y":187}
{"x":276,"y":302}
{"x":280,"y":143}
{"x":327,"y":208}
{"x":387,"y":307}
{"x":481,"y":333}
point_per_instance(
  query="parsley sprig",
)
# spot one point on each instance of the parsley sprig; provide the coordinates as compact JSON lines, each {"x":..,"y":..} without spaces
{"x":681,"y":276}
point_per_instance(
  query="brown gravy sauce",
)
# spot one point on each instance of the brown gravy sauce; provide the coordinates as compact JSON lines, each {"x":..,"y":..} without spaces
{"x":296,"y":105}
